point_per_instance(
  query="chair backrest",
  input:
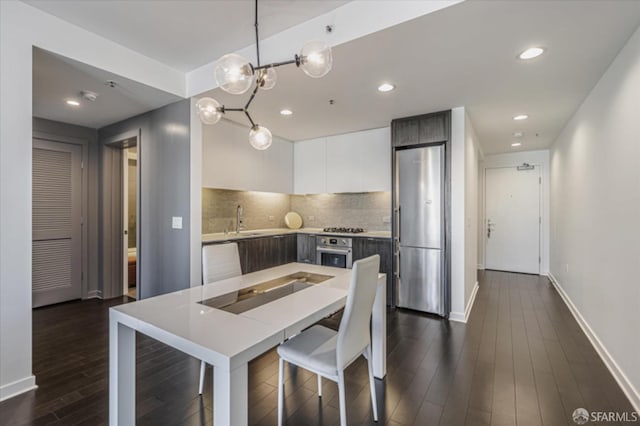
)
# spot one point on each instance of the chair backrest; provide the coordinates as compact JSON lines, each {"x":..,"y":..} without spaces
{"x":219,"y":262}
{"x":354,"y":334}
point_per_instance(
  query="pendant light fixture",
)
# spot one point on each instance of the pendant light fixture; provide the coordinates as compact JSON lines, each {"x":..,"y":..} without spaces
{"x":235,"y":74}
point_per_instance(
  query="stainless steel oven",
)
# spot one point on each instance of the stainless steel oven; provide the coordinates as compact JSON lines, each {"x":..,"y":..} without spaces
{"x":334,"y":251}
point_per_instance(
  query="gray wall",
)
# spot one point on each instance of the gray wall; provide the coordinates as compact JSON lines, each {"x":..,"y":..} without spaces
{"x":163,"y":159}
{"x":90,"y":136}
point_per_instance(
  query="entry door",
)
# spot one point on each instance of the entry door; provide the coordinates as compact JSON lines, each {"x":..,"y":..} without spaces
{"x":512,"y":227}
{"x":57,"y":227}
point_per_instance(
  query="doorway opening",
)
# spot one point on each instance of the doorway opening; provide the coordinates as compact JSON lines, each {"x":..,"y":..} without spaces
{"x":129,"y":217}
{"x":121,"y":224}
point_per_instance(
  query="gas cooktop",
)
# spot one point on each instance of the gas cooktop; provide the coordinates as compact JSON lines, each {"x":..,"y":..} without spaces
{"x":344,"y":230}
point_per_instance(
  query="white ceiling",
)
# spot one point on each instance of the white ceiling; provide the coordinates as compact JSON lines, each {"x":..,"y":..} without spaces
{"x":56,"y":78}
{"x":464,"y":55}
{"x":184,"y":34}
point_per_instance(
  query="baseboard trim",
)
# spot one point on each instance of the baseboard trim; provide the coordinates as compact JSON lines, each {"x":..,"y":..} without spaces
{"x":623,"y":381}
{"x":463,"y":317}
{"x":16,"y":388}
{"x":94,"y":294}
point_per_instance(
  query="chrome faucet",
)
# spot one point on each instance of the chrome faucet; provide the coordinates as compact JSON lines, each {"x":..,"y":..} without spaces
{"x":239,"y":224}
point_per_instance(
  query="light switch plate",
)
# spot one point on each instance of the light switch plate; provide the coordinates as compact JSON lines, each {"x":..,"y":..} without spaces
{"x":176,"y":222}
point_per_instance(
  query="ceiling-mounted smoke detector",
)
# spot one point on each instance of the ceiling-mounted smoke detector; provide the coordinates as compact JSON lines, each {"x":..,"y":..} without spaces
{"x":89,"y":95}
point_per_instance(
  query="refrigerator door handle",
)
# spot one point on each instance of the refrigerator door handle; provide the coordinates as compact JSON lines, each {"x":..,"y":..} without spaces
{"x":399,"y":225}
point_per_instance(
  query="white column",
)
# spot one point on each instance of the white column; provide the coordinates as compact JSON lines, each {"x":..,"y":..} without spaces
{"x":230,"y":396}
{"x":379,"y":330}
{"x":122,"y":374}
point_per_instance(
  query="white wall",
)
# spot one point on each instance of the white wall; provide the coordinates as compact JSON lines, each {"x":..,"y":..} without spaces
{"x":595,"y":216}
{"x":472,"y":159}
{"x":465,"y":155}
{"x":538,"y":158}
{"x":21,"y":28}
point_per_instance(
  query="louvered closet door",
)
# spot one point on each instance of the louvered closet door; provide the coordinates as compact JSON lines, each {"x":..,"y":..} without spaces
{"x":57,"y":228}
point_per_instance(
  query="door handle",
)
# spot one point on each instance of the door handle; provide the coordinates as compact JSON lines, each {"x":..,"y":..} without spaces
{"x":490,"y":226}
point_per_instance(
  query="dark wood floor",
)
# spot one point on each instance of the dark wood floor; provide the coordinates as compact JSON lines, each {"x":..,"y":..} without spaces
{"x":520,"y":360}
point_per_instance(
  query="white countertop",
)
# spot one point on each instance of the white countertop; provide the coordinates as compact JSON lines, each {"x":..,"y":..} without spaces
{"x":256,"y":233}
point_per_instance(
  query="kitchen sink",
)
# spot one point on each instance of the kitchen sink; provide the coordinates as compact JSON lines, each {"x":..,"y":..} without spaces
{"x":246,"y":299}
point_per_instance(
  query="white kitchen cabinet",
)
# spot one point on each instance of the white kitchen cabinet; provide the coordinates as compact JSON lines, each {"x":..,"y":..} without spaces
{"x":310,"y":172}
{"x":345,"y":162}
{"x":376,"y":165}
{"x":229,"y":161}
{"x":351,"y":162}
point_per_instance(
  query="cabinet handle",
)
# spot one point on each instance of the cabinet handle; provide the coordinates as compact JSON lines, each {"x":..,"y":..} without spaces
{"x":278,"y":236}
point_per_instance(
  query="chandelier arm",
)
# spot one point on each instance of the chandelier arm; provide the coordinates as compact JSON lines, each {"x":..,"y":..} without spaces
{"x":257,"y":39}
{"x":253,"y":95}
{"x":249,"y":117}
{"x":233,"y":109}
{"x":276,"y":64}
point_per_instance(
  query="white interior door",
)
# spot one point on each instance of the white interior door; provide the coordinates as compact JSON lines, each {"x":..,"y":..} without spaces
{"x":512,"y":220}
{"x":56,"y":222}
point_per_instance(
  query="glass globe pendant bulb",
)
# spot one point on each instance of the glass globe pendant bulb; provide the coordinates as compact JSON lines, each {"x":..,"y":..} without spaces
{"x":233,"y":74}
{"x":266,"y":78}
{"x":316,"y":59}
{"x":209,"y":110}
{"x":260,"y":137}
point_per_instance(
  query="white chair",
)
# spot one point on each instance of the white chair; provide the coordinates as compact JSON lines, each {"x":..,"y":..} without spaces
{"x":219,"y":262}
{"x":328,"y":353}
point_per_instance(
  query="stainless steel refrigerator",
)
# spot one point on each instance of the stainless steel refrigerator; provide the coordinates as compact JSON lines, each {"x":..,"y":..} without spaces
{"x":420,"y":229}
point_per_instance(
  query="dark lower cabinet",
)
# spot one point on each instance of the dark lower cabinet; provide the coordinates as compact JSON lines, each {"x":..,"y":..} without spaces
{"x":306,"y":248}
{"x":365,"y":246}
{"x":261,"y":253}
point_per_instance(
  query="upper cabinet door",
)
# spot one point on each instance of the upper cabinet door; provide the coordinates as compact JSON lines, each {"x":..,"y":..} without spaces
{"x":352,"y":162}
{"x":345,"y":163}
{"x":309,"y":170}
{"x":375,"y":150}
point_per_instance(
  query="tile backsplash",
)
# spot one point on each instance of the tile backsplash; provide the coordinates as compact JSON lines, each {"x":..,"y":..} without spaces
{"x":363,"y":210}
{"x":219,"y":209}
{"x":266,"y":210}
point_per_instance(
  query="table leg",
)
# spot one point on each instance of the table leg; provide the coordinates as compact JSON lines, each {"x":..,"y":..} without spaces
{"x":230,"y":396}
{"x":122,"y":374}
{"x":379,"y":330}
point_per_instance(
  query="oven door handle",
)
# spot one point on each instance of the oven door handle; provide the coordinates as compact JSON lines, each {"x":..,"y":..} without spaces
{"x":332,"y":250}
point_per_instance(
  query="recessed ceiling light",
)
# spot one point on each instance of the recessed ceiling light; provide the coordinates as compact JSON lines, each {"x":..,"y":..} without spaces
{"x":532,"y":52}
{"x":386,"y":87}
{"x":286,"y":112}
{"x":72,"y":102}
{"x":521,"y":117}
{"x":518,"y":134}
{"x":515,"y":144}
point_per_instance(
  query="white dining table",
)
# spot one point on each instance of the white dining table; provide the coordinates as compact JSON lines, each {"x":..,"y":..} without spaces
{"x":225,"y":340}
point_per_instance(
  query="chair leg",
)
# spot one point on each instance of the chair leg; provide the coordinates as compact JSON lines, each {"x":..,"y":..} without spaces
{"x":280,"y":391}
{"x":372,"y":385}
{"x":343,"y":404}
{"x":319,"y":386}
{"x":202,"y":367}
